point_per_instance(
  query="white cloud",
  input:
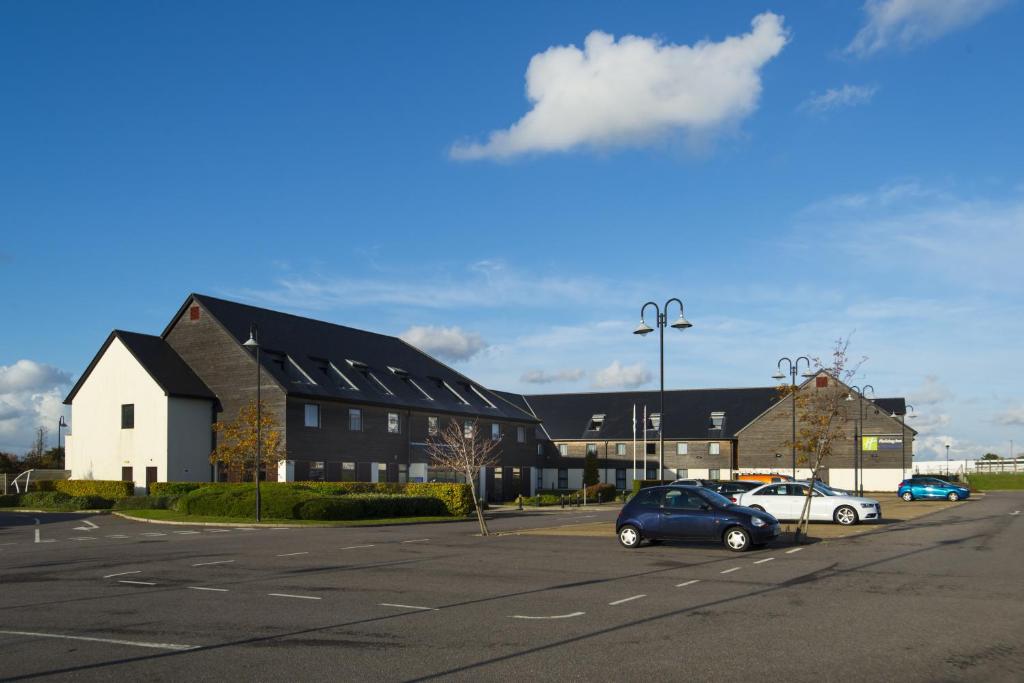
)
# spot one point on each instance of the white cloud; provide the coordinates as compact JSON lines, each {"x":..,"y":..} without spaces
{"x":618,"y":376}
{"x":628,"y":91}
{"x":1013,"y":417}
{"x":449,"y":343}
{"x":30,"y":396}
{"x":543,"y":377}
{"x":835,"y":98}
{"x":930,"y":392}
{"x":909,"y":23}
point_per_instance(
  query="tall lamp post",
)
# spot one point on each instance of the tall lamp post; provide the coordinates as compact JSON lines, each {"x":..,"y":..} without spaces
{"x":858,"y":452}
{"x":903,"y":433}
{"x":642,"y":329}
{"x":947,"y":461}
{"x":61,"y":424}
{"x":794,"y":367}
{"x":254,"y":343}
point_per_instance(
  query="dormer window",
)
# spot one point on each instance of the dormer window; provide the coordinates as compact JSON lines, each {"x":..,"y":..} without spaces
{"x":405,"y":377}
{"x":481,"y":396}
{"x":717,"y":419}
{"x":363,"y":368}
{"x":655,"y":421}
{"x":596,"y":422}
{"x":442,"y":384}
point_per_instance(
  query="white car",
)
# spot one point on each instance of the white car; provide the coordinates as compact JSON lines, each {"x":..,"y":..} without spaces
{"x":786,"y":501}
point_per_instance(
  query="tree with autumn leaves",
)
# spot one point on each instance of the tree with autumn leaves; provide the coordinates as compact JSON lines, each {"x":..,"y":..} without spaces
{"x":236,"y":441}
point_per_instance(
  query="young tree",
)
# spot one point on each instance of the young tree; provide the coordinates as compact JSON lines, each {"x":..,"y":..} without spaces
{"x":460,"y":448}
{"x":991,"y":456}
{"x":591,"y":474}
{"x":822,"y":413}
{"x":236,"y":441}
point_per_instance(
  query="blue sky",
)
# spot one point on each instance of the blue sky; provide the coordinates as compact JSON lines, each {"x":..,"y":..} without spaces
{"x":839,"y":169}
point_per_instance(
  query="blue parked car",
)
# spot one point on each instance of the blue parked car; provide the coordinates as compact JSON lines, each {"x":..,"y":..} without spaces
{"x":692,"y":512}
{"x":922,"y":488}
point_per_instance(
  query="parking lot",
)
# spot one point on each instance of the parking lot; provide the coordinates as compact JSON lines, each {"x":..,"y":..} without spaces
{"x":95,"y":596}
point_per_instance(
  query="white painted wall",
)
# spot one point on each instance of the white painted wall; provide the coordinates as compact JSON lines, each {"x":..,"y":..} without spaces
{"x":876,"y":480}
{"x":99,"y":447}
{"x":417,"y":472}
{"x":189,"y":440}
{"x":286,"y":470}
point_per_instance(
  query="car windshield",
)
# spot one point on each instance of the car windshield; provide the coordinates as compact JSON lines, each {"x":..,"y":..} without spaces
{"x":823,"y":489}
{"x":715,"y":498}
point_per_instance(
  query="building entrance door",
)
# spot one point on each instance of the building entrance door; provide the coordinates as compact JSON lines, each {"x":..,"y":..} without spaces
{"x":150,"y":477}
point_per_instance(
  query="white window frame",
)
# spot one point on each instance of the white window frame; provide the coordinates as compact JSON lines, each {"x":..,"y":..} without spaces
{"x":394,"y":425}
{"x":682,"y":449}
{"x":433,"y":425}
{"x":714,"y":448}
{"x":315,"y":414}
{"x":520,"y":434}
{"x":357,"y":413}
{"x":563,"y":449}
{"x":468,"y":429}
{"x":495,"y":431}
{"x":620,"y":449}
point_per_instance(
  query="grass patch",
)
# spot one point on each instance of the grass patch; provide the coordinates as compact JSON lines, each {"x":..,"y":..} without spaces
{"x":174,"y":516}
{"x":997,"y":481}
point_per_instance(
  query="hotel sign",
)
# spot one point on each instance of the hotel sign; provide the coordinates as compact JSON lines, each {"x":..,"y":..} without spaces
{"x":873,"y":444}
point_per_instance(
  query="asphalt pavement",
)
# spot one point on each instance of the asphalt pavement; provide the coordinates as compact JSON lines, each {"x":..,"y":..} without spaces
{"x":91,"y":597}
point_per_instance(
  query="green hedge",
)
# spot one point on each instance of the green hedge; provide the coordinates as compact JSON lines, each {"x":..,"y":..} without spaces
{"x":9,"y":500}
{"x":146,"y":503}
{"x":111,"y":490}
{"x":607,"y":492}
{"x":457,"y":498}
{"x":239,"y":500}
{"x":996,"y":481}
{"x":372,"y":506}
{"x":61,"y":502}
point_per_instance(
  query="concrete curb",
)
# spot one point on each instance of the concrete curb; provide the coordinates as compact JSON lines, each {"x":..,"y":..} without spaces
{"x":282,"y":525}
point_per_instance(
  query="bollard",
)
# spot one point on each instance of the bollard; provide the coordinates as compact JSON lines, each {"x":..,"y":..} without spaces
{"x":519,"y":499}
{"x":562,"y":499}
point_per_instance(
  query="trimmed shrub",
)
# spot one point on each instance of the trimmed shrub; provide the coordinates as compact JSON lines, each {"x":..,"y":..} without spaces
{"x":145,"y":503}
{"x":276,"y":502}
{"x":55,"y":500}
{"x":177,"y":488}
{"x":111,"y":490}
{"x":10,"y":500}
{"x":607,"y":492}
{"x":372,"y":506}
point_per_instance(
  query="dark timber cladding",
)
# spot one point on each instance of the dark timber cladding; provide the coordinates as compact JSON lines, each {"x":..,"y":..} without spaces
{"x":394,"y":386}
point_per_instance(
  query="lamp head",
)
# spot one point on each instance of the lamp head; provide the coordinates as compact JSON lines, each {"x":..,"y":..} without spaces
{"x":682,"y":323}
{"x":253,"y":341}
{"x":643,"y":328}
{"x":778,"y":375}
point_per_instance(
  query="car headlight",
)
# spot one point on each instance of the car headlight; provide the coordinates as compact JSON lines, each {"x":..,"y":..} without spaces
{"x":867,"y":505}
{"x":757,"y":521}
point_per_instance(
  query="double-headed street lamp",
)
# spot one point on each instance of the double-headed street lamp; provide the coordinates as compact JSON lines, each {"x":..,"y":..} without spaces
{"x":794,"y":367}
{"x":254,"y":343}
{"x":903,"y":432}
{"x":858,"y":451}
{"x":642,"y":329}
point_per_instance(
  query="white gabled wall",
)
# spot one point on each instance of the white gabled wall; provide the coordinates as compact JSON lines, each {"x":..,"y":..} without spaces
{"x":99,"y":447}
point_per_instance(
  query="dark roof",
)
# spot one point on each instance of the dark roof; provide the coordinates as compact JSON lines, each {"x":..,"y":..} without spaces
{"x":300,"y":352}
{"x":687,"y":412}
{"x":157,"y":357}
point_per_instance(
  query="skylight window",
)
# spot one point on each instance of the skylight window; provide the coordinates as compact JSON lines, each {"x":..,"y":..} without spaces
{"x":365,"y":370}
{"x":333,"y":375}
{"x":443,"y":384}
{"x":346,"y":380}
{"x":717,"y":419}
{"x":482,"y":397}
{"x":382,"y":386}
{"x":596,"y":422}
{"x":655,"y":421}
{"x":399,"y":372}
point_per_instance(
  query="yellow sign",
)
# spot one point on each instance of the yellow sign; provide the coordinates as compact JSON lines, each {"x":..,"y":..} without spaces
{"x":869,"y":443}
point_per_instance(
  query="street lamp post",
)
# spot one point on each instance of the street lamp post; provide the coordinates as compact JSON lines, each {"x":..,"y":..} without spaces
{"x":947,"y":461}
{"x":642,"y":329}
{"x":858,"y":436}
{"x":61,"y":424}
{"x":903,"y":433}
{"x":794,"y":367}
{"x":254,"y":343}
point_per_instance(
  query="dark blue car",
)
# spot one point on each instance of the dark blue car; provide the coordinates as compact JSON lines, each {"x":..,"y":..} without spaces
{"x":691,"y":512}
{"x":922,"y":488}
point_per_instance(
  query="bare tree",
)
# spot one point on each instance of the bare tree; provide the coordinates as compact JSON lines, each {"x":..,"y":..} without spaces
{"x":38,"y":447}
{"x":460,"y":448}
{"x":823,"y":413}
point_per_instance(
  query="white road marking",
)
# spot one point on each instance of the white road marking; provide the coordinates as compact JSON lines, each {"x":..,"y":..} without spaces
{"x":110,"y":576}
{"x":300,"y":597}
{"x":11,"y":543}
{"x":37,"y":528}
{"x":554,"y":616}
{"x":353,"y":547}
{"x":767,"y":559}
{"x":247,"y":528}
{"x":157,"y":646}
{"x":727,"y":571}
{"x":204,"y":588}
{"x":89,"y":526}
{"x":219,"y":531}
{"x":687,"y":583}
{"x":83,"y":538}
{"x":206,"y":564}
{"x":186,"y":532}
{"x":154,"y":533}
{"x":1015,"y":512}
{"x":304,"y":552}
{"x":416,"y":540}
{"x":635,"y":597}
{"x":794,"y":550}
{"x":137,"y":583}
{"x":393,"y":604}
{"x":117,"y":536}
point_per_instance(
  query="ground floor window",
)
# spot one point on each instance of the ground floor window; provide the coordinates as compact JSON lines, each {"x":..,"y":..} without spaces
{"x":682,"y":473}
{"x":403,"y":474}
{"x":563,"y":479}
{"x":652,"y":448}
{"x":348,"y":471}
{"x":652,"y":471}
{"x":714,"y":474}
{"x":620,"y":479}
{"x":540,"y":479}
{"x":445,"y":476}
{"x":316,"y":471}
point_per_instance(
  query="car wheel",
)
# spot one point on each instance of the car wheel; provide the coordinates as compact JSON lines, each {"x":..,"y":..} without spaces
{"x":907,"y":496}
{"x":757,"y":507}
{"x":629,"y":536}
{"x":736,"y":539}
{"x":953,"y":497}
{"x":845,"y":515}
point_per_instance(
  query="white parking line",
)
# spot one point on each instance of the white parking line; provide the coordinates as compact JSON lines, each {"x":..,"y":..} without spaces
{"x":300,"y":597}
{"x":304,"y":552}
{"x":117,"y":536}
{"x":153,"y":533}
{"x":83,"y":538}
{"x":554,"y":616}
{"x":635,"y":597}
{"x":1014,"y":513}
{"x":353,"y":547}
{"x":110,"y":576}
{"x":206,"y":564}
{"x":416,"y":540}
{"x":794,"y":550}
{"x":137,"y":583}
{"x":392,"y":604}
{"x":204,"y":588}
{"x":158,"y":646}
{"x":687,"y":583}
{"x":767,"y":559}
{"x":186,"y":532}
{"x":219,"y":531}
{"x":728,"y":571}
